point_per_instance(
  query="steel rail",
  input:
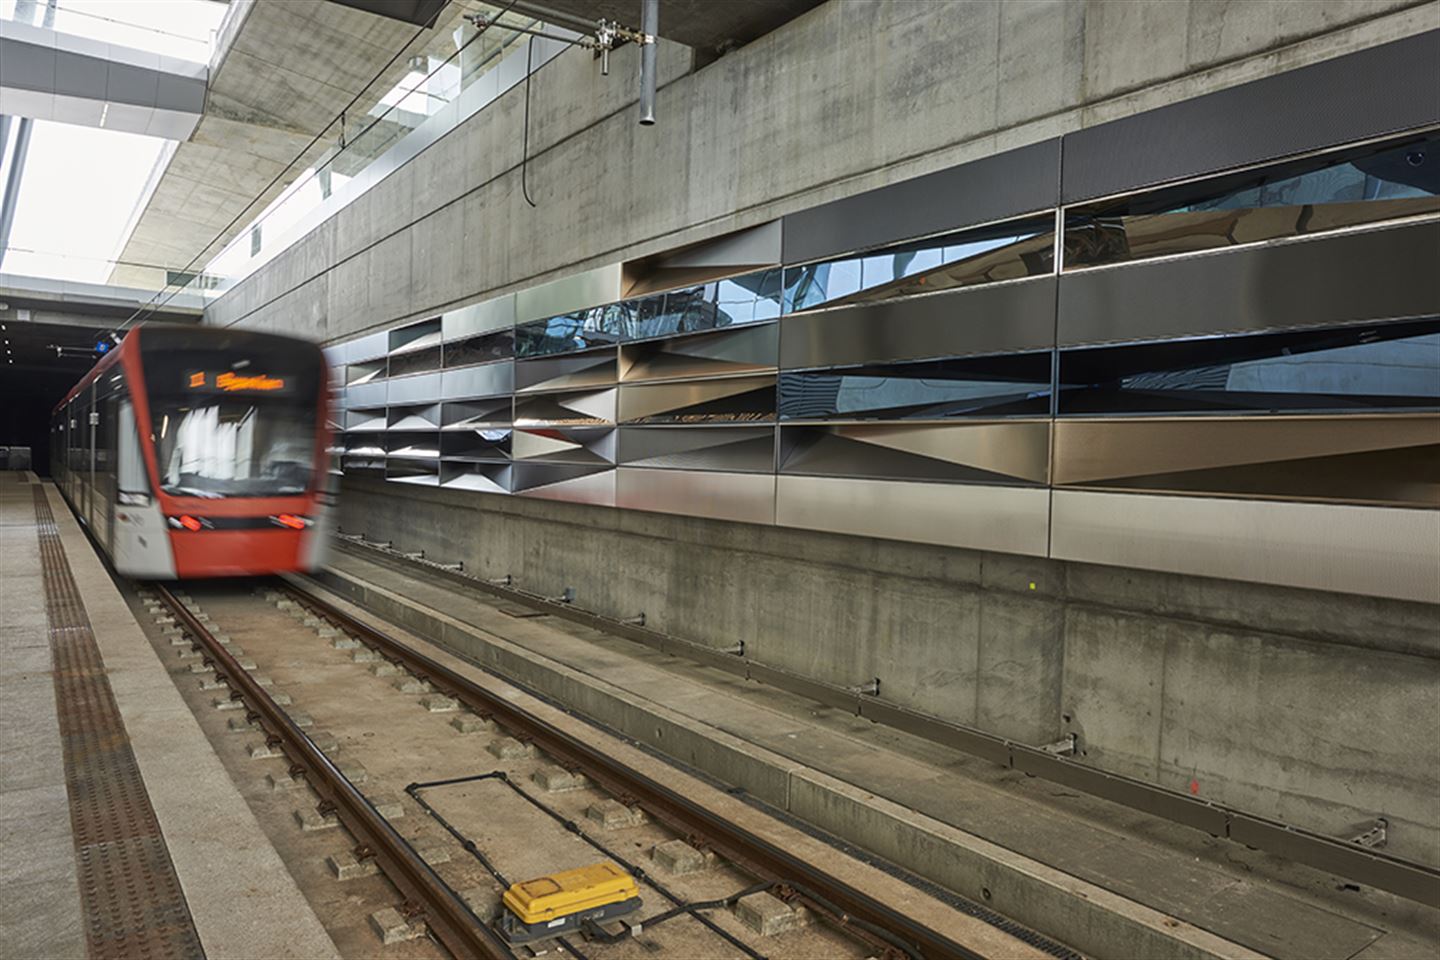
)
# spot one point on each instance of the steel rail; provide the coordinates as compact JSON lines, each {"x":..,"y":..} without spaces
{"x":449,"y":918}
{"x":1406,"y":878}
{"x":848,"y":905}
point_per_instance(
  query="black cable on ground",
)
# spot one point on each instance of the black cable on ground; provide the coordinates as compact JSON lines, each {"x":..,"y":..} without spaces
{"x":635,"y":871}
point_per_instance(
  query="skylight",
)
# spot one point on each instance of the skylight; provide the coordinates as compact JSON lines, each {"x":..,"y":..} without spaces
{"x":80,"y":187}
{"x":184,"y":29}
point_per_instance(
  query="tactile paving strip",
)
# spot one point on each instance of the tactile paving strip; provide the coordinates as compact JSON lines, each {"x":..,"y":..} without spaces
{"x":133,"y":903}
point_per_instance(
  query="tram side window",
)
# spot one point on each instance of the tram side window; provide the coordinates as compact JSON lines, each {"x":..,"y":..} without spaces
{"x":134,"y":486}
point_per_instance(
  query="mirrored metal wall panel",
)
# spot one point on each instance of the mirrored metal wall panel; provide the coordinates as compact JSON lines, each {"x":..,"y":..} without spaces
{"x":423,"y":388}
{"x":580,"y":407}
{"x":368,"y":347}
{"x":995,"y":453}
{"x":366,"y":371}
{"x":1377,"y":183}
{"x":741,"y":350}
{"x":992,"y":188}
{"x":1008,"y":317}
{"x":477,"y":318}
{"x":734,"y":449}
{"x":478,"y":477}
{"x":576,"y":292}
{"x":567,"y":372}
{"x":481,"y":348}
{"x":1371,"y":275}
{"x":573,"y":483}
{"x":1372,"y":93}
{"x":1387,"y":459}
{"x":718,"y":304}
{"x":1012,"y":250}
{"x":414,"y":417}
{"x":741,"y":497}
{"x":1007,"y":519}
{"x":1014,"y":384}
{"x":423,"y":335}
{"x":720,"y":400}
{"x":367,"y":394}
{"x":469,"y":414}
{"x":1356,"y":368}
{"x":574,"y":445}
{"x":483,"y":381}
{"x":569,"y":333}
{"x":476,"y":443}
{"x":1379,"y":551}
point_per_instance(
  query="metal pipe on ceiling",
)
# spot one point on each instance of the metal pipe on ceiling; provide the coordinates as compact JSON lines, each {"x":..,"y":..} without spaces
{"x":650,"y":27}
{"x":12,"y":184}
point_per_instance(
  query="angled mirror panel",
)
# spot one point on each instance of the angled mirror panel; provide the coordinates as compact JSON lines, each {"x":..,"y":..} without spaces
{"x":1008,"y":251}
{"x":997,"y":453}
{"x":424,"y":335}
{"x":478,"y":477}
{"x":572,"y":483}
{"x":570,"y":408}
{"x":471,"y":414}
{"x":498,"y":345}
{"x":356,"y":373}
{"x":1391,"y":366}
{"x":420,"y":360}
{"x":735,"y":449}
{"x":721,"y":400}
{"x":477,"y":443}
{"x":425,"y":473}
{"x":717,"y":353}
{"x":413,"y":446}
{"x":569,"y":333}
{"x":368,"y":444}
{"x":414,"y":417}
{"x":1008,"y":385}
{"x":373,"y":419}
{"x":569,"y":372}
{"x":570,"y":445}
{"x":1388,"y":459}
{"x":1374,"y":184}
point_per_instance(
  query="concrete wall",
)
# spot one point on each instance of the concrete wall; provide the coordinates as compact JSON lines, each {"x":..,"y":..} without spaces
{"x":1314,"y":708}
{"x":847,"y":97}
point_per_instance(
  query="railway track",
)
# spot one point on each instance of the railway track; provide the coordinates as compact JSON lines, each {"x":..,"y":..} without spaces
{"x":878,"y":928}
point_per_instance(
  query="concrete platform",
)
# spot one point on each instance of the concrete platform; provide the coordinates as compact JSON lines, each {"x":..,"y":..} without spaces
{"x":240,"y":897}
{"x":1109,"y":880}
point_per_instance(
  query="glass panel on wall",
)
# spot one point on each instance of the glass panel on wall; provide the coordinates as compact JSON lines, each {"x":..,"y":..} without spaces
{"x":732,"y":302}
{"x":416,"y":361}
{"x":1354,"y":368}
{"x":581,"y":330}
{"x":1006,"y":251}
{"x":1374,"y":184}
{"x":1011,"y":385}
{"x":499,"y":345}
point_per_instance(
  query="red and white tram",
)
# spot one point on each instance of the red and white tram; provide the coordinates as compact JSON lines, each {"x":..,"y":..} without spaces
{"x":199,"y":452}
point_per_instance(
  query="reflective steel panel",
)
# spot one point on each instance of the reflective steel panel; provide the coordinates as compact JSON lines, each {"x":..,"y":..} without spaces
{"x":1008,"y":519}
{"x":1009,"y":385}
{"x":1015,"y":452}
{"x":1379,"y":551}
{"x":740,"y":350}
{"x":1348,"y":278}
{"x":1009,"y":317}
{"x":728,"y":448}
{"x":741,"y":497}
{"x":723,"y":399}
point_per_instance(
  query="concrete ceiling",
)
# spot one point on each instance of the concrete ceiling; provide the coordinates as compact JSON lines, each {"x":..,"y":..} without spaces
{"x":283,"y":70}
{"x":712,"y":27}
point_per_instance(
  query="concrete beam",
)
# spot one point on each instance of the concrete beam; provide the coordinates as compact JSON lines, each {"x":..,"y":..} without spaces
{"x":48,"y":75}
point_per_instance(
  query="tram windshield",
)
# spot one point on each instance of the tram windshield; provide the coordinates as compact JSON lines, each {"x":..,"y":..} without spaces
{"x":234,"y":420}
